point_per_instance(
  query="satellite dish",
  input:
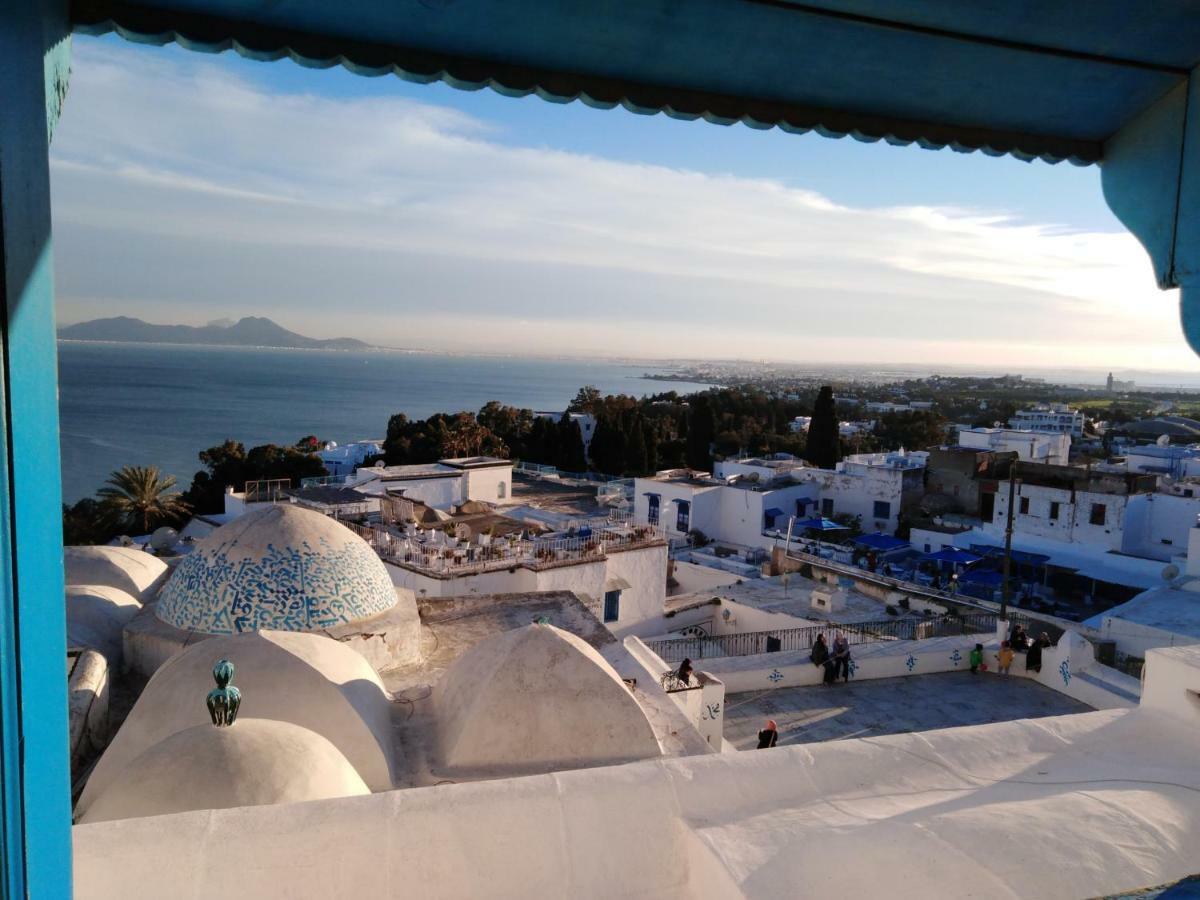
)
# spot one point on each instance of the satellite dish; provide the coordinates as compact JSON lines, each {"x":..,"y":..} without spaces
{"x":379,"y":463}
{"x":164,"y":538}
{"x":125,"y":541}
{"x":1163,"y":440}
{"x":1170,"y":573}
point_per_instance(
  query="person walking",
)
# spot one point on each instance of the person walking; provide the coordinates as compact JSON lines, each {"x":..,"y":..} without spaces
{"x":768,"y":736}
{"x":841,"y":657}
{"x":976,"y":659}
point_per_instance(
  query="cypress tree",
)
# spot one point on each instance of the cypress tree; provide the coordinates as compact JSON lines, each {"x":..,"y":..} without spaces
{"x":651,"y":441}
{"x":571,"y":457}
{"x":822,"y":449}
{"x":635,"y":449}
{"x":702,"y":430}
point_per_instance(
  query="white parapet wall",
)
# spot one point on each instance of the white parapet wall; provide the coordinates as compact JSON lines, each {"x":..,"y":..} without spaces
{"x":1069,"y":668}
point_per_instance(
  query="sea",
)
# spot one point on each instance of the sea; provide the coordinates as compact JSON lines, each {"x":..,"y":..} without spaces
{"x":154,"y":404}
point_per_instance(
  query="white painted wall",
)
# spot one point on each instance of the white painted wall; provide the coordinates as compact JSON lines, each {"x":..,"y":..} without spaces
{"x":1074,"y":515}
{"x":1157,"y":525}
{"x":1030,"y":446}
{"x":705,"y":503}
{"x":1172,"y":682}
{"x":644,"y":568}
{"x":491,"y":485}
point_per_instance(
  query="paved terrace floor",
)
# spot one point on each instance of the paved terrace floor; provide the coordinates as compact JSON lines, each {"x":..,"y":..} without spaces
{"x":808,"y":715}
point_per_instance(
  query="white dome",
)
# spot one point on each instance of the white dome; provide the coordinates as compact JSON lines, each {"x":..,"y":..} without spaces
{"x":253,"y":762}
{"x":281,"y":567}
{"x":536,"y":699}
{"x":307,"y":679}
{"x":96,"y":616}
{"x":134,"y":571}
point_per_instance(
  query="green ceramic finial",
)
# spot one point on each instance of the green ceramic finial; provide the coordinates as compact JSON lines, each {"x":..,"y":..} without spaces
{"x":224,"y":699}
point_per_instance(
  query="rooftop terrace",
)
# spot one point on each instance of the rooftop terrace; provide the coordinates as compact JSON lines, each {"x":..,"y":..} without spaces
{"x":861,"y":709}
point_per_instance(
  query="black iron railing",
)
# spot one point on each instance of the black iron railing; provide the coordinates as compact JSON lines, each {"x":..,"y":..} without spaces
{"x":749,"y":643}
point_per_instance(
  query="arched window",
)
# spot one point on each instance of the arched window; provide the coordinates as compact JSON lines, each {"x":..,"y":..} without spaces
{"x":502,"y":490}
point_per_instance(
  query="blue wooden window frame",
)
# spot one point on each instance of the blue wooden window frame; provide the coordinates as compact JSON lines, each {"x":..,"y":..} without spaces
{"x":653,"y":508}
{"x":683,"y":516}
{"x":35,"y":782}
{"x":883,"y":509}
{"x":612,"y":606}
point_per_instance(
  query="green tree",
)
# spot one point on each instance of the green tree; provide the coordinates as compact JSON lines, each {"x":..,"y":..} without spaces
{"x":88,"y":522}
{"x":230,"y":465}
{"x":650,"y":439}
{"x":139,"y":498}
{"x":587,"y":400}
{"x":569,"y":451}
{"x":822,"y":448}
{"x":701,"y":432}
{"x":636,"y":457}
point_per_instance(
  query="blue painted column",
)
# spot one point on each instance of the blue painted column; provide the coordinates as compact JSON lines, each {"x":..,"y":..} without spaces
{"x":1151,"y":177}
{"x":35,"y":801}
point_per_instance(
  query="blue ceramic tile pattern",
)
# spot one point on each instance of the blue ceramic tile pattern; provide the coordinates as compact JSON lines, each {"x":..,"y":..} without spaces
{"x":293,"y":588}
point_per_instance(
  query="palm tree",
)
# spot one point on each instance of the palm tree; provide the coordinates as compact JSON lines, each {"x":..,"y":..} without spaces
{"x":138,"y":498}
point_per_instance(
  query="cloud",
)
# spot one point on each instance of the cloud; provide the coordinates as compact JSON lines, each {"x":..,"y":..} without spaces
{"x":183,"y":192}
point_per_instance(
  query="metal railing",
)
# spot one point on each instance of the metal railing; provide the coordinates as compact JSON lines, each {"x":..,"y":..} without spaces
{"x":447,"y":556}
{"x":751,"y":643}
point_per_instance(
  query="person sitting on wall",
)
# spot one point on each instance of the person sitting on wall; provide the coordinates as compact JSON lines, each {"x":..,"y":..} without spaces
{"x":1033,"y":658}
{"x":768,"y":736}
{"x":684,"y":673}
{"x":1018,"y":639}
{"x":841,"y":658}
{"x":820,"y":654}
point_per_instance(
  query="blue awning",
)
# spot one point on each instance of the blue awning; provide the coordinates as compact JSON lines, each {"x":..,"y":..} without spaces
{"x":952,"y":555}
{"x":821,"y":524}
{"x":881,"y":541}
{"x":773,"y":512}
{"x":1018,"y":556}
{"x":1048,"y":81}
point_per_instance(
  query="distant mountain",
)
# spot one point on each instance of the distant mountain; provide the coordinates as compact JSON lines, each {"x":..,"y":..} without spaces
{"x":252,"y":331}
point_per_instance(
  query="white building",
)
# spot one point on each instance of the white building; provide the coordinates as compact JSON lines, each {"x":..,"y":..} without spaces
{"x":871,"y":487}
{"x":735,"y":508}
{"x":1056,"y":418}
{"x":442,"y":484}
{"x":1173,"y":461}
{"x":618,"y":570}
{"x":1167,"y":615}
{"x":746,"y":500}
{"x":1030,"y":446}
{"x":800,"y":423}
{"x":1076,"y":506}
{"x":344,"y":459}
{"x":585,"y":421}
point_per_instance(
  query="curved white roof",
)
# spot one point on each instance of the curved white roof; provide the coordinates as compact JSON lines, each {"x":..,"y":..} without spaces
{"x":96,"y":616}
{"x":134,"y":571}
{"x":536,"y":699}
{"x":281,"y":567}
{"x":253,"y":762}
{"x":306,"y":679}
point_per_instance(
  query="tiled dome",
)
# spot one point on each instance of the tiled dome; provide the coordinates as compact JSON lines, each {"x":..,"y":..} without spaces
{"x":281,"y":567}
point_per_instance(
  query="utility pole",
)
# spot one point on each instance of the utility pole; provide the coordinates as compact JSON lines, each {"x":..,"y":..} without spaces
{"x":1008,"y":532}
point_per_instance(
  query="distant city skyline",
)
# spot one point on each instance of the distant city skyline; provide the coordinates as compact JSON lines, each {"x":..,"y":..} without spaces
{"x":424,"y":217}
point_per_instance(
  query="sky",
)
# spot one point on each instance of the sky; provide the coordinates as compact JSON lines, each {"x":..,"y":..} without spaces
{"x":190,"y":187}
